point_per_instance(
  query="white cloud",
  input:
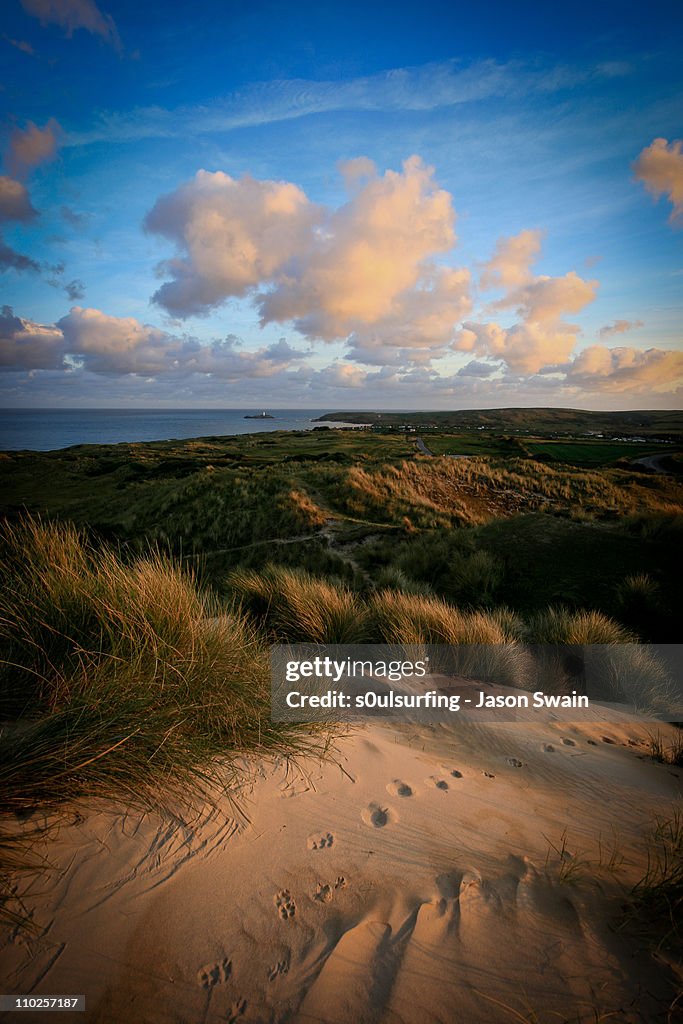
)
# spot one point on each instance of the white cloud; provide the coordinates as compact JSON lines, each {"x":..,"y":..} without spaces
{"x":363,"y":271}
{"x":233,"y":234}
{"x":432,"y":86}
{"x":660,"y":167}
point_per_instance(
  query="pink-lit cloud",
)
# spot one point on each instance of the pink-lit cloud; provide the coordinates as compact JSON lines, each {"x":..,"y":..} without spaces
{"x":364,"y":271}
{"x":74,"y":14}
{"x":90,"y":342}
{"x":660,"y":167}
{"x":598,"y":368}
{"x":115,"y":346}
{"x":15,"y":202}
{"x":510,"y":265}
{"x":542,"y":338}
{"x":619,"y":327}
{"x":31,"y":146}
{"x":232,"y":235}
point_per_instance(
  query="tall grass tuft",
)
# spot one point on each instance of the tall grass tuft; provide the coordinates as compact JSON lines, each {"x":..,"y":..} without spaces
{"x":488,"y":640}
{"x":121,"y":679}
{"x":293,"y":605}
{"x":656,"y":904}
{"x":639,"y":602}
{"x":473,"y":577}
{"x":560,"y":625}
{"x":617,"y":668}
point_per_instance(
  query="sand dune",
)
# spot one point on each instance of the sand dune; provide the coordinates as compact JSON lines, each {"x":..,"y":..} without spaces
{"x":412,"y":882}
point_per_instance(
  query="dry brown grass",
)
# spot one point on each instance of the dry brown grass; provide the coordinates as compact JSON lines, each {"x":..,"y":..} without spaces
{"x":121,"y":679}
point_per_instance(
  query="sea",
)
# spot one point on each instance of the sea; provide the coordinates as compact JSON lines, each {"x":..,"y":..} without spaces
{"x":45,"y":430}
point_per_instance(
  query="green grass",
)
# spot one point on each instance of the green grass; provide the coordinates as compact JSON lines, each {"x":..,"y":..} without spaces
{"x":122,"y":679}
{"x":494,"y":529}
{"x":530,"y":562}
{"x":293,"y":605}
{"x":474,"y":442}
{"x":593,"y":453}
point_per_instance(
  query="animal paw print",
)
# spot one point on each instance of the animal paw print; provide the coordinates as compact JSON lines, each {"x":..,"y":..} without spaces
{"x":284,"y":901}
{"x":323,"y":893}
{"x":278,"y":969}
{"x":320,"y":842}
{"x":214,"y":974}
{"x":236,"y":1011}
{"x":325,"y":890}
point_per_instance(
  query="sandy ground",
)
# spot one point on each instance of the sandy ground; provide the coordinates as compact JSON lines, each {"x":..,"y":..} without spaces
{"x":413,"y":881}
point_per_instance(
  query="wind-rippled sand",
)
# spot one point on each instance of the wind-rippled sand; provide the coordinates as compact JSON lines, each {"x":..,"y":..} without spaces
{"x":430,"y":875}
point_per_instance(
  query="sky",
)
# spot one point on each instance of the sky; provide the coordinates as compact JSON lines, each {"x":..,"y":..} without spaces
{"x":341,"y":205}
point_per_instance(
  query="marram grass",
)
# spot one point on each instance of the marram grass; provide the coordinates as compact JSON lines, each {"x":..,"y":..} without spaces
{"x":122,"y":680}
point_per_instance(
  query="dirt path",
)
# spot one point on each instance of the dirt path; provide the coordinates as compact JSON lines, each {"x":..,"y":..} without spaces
{"x":252,"y":544}
{"x":653,"y":462}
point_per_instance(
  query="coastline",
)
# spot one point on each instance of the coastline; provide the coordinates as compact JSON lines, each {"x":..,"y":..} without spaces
{"x":56,"y":429}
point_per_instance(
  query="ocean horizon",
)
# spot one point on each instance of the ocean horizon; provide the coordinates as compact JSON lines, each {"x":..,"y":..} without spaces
{"x":51,"y":429}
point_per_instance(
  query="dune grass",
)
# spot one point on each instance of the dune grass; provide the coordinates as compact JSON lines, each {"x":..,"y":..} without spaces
{"x":667,"y":753}
{"x":293,"y":605}
{"x":122,"y":679}
{"x":493,"y":644}
{"x":655,"y":904}
{"x":125,"y":677}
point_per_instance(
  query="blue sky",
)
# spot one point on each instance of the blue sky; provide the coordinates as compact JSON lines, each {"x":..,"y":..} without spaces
{"x":186,"y":220}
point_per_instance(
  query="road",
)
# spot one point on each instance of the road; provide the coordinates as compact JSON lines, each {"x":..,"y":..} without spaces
{"x":422,"y":447}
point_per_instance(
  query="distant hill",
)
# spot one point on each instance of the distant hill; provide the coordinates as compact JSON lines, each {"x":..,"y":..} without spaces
{"x":665,"y":423}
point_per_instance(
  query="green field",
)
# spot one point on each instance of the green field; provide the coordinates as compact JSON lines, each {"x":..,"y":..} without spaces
{"x":593,"y":453}
{"x":472,"y":442}
{"x":498,"y":527}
